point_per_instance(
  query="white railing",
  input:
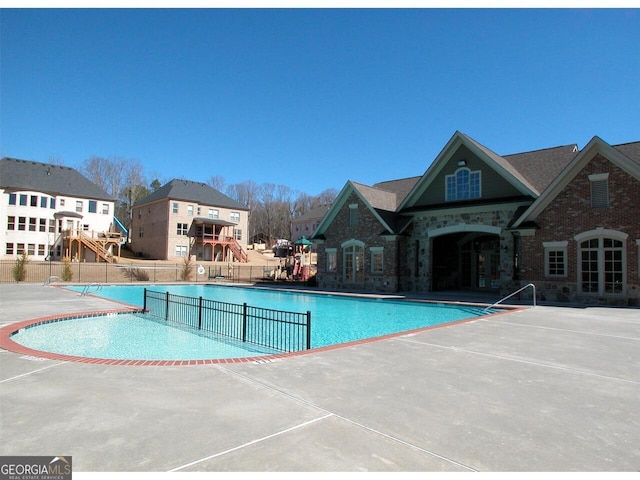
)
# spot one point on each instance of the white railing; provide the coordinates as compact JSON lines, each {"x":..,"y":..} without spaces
{"x":514,"y":293}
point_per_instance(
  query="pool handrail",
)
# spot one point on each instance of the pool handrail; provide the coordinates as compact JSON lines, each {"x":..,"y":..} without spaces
{"x":85,"y":290}
{"x":512,"y":294}
{"x":51,"y":279}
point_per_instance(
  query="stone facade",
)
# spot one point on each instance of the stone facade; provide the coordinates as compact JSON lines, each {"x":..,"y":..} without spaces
{"x":418,"y":274}
{"x":522,"y":224}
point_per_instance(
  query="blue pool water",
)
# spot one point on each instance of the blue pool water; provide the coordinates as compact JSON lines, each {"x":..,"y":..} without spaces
{"x":334,"y":320}
{"x":131,"y":337}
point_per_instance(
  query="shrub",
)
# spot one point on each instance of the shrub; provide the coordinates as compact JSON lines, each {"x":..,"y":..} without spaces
{"x":136,"y":274}
{"x":67,"y":273}
{"x":187,"y":266}
{"x":20,"y":268}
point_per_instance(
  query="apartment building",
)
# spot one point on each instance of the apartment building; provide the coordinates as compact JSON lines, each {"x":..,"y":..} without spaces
{"x":52,"y":211}
{"x":185,"y":218}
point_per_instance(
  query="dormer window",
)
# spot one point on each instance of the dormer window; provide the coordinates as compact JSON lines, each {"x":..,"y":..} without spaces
{"x":463,"y":185}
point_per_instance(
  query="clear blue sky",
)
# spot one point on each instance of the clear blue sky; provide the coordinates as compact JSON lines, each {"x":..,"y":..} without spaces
{"x":311,"y":98}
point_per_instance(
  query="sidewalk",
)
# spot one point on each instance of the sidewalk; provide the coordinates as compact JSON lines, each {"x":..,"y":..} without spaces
{"x":544,"y":389}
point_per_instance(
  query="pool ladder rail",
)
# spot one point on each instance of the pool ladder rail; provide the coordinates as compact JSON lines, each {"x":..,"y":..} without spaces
{"x":512,"y":294}
{"x":87,"y":289}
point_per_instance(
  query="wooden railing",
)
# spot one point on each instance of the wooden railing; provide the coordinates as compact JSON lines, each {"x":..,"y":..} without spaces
{"x":230,"y":242}
{"x":96,"y":243}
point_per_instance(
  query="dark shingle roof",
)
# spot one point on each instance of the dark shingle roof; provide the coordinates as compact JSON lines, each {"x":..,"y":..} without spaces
{"x":189,"y":191}
{"x":400,"y":187}
{"x":378,"y":198}
{"x":316,"y":213}
{"x":384,"y":202}
{"x":48,"y":178}
{"x":541,"y":167}
{"x":630,"y":150}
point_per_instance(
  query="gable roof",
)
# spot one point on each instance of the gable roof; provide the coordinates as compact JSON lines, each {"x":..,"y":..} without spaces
{"x":196,"y":192}
{"x":47,"y":178}
{"x":381,"y":203}
{"x":541,"y":167}
{"x":491,"y":158}
{"x":630,"y":150}
{"x":528,"y":172}
{"x":614,"y":154}
{"x":316,"y":212}
{"x":400,"y":187}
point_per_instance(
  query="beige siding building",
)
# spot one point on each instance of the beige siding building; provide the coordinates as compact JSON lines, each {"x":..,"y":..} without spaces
{"x":185,"y":218}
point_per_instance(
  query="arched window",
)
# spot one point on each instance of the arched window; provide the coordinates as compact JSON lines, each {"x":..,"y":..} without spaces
{"x":353,"y":261}
{"x":463,"y":185}
{"x":602,"y":262}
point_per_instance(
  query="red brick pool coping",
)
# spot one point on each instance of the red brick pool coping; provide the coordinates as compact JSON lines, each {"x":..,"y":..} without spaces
{"x":7,"y":343}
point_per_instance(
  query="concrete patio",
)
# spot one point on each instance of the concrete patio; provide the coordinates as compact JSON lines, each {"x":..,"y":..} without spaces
{"x":540,"y":389}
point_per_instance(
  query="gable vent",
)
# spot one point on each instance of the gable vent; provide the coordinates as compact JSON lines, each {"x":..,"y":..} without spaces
{"x":599,"y":190}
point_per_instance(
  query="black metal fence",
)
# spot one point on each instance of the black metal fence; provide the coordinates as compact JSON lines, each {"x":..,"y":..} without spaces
{"x":275,"y":329}
{"x":40,"y":271}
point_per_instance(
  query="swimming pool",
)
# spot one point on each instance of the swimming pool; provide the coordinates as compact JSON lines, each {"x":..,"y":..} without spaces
{"x":132,"y":336}
{"x":336,"y":319}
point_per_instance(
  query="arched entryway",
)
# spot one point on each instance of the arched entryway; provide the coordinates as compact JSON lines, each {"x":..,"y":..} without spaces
{"x":465,"y":260}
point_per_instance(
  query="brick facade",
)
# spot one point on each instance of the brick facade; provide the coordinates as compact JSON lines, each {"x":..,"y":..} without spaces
{"x":569,"y":214}
{"x":498,"y":242}
{"x":367,"y":230}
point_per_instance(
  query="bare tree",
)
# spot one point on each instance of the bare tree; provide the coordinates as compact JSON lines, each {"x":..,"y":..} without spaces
{"x":217,"y":182}
{"x":304,"y":202}
{"x":246,"y":193}
{"x":121,"y":178}
{"x":104,"y":172}
{"x":134,"y":189}
{"x":326,"y":197}
{"x":55,"y":160}
{"x":267,"y":198}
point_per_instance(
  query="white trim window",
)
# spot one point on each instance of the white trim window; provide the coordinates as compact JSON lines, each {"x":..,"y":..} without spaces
{"x":602,"y":262}
{"x":353,"y":261}
{"x":463,"y":185}
{"x":331,"y":259}
{"x":234,"y":217}
{"x":377,"y":259}
{"x":555,"y":259}
{"x":181,"y":250}
{"x":183,"y":229}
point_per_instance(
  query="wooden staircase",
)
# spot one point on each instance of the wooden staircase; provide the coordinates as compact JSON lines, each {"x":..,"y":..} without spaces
{"x":237,"y":250}
{"x":96,"y":247}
